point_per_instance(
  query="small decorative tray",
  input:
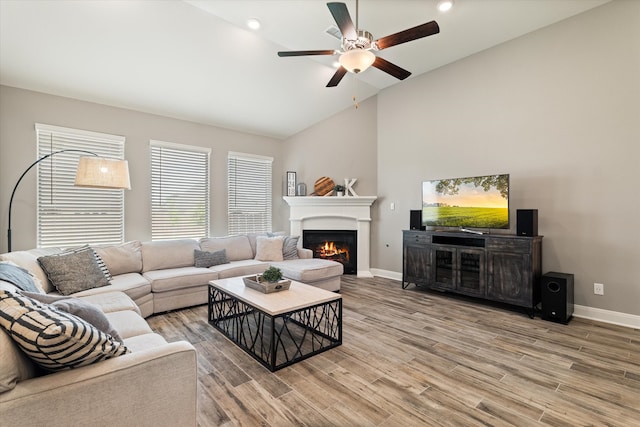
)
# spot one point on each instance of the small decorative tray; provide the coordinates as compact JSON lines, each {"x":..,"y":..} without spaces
{"x":266,"y":287}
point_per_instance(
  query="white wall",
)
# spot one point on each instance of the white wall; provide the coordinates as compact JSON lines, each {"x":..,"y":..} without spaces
{"x":21,"y":109}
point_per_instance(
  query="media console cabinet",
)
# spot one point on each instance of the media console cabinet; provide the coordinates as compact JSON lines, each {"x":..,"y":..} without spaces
{"x":496,"y":267}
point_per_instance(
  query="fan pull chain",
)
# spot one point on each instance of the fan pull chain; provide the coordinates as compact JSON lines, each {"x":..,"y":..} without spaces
{"x":355,"y":103}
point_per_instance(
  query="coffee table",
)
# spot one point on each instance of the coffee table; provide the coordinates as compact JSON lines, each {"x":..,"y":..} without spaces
{"x":280,"y":328}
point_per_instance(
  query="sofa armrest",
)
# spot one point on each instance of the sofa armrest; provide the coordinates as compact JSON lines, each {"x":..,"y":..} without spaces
{"x":305,"y":253}
{"x":152,"y":387}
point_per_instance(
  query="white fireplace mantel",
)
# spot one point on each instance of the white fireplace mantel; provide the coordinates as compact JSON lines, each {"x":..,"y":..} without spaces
{"x":335,"y":213}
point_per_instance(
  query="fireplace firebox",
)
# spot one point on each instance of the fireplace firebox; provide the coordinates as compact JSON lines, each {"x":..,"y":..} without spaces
{"x":334,"y":245}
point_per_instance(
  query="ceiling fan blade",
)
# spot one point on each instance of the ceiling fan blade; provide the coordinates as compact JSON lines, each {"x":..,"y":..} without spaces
{"x":306,"y":52}
{"x":408,"y":35}
{"x":389,"y":68}
{"x":340,"y":72}
{"x":343,"y":19}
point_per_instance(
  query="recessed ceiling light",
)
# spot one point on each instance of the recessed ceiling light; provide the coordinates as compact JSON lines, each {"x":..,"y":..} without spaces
{"x":445,"y":5}
{"x":253,"y":23}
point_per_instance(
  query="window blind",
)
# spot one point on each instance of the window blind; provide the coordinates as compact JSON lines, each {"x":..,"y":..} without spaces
{"x":179,"y":191}
{"x":68,"y":215}
{"x":249,"y":181}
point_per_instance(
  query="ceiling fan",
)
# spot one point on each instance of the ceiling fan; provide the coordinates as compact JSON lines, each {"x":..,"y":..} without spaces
{"x":358,"y":45}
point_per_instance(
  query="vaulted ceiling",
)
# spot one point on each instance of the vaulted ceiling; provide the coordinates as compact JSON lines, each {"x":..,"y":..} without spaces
{"x":197,"y":60}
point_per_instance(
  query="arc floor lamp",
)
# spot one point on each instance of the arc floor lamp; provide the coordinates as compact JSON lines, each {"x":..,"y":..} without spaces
{"x":93,"y":172}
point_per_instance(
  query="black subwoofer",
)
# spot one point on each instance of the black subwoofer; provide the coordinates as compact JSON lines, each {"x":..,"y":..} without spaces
{"x":557,"y":297}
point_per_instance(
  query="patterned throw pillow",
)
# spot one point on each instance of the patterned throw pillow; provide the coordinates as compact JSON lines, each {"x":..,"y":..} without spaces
{"x":83,"y":309}
{"x":290,"y":247}
{"x":205,"y":259}
{"x":72,"y":272}
{"x":53,"y":339}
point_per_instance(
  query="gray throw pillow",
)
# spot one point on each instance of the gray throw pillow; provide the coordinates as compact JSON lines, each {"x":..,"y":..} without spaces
{"x":74,"y":271}
{"x":205,"y":259}
{"x":290,"y":247}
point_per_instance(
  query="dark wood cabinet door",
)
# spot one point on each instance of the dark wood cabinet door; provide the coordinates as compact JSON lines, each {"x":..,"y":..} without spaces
{"x":509,"y":278}
{"x":416,"y":264}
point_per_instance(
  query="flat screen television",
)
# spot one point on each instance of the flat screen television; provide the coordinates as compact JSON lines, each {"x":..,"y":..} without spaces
{"x":475,"y":202}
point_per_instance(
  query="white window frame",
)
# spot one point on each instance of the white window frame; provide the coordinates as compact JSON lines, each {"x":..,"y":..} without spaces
{"x":250,"y":193}
{"x":68,"y":215}
{"x":180,"y":194}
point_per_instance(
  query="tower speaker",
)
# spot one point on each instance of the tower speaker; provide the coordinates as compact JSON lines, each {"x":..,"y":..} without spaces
{"x":557,"y":297}
{"x":415,"y":220}
{"x":527,"y":222}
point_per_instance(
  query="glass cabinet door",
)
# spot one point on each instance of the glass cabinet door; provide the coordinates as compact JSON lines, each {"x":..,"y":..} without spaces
{"x":444,"y":267}
{"x":471,"y":271}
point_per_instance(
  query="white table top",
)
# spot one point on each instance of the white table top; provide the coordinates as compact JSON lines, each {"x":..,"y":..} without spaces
{"x":296,"y":297}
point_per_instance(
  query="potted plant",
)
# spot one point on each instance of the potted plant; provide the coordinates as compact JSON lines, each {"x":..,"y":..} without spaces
{"x":339,"y":189}
{"x":272,"y":275}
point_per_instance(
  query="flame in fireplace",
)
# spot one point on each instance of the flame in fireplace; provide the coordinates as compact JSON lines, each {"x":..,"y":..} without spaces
{"x":330,"y":250}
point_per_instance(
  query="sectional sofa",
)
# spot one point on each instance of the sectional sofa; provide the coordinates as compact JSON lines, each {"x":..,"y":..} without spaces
{"x":154,"y":382}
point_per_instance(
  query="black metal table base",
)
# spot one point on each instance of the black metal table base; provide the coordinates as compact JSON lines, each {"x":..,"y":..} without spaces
{"x":281,"y":340}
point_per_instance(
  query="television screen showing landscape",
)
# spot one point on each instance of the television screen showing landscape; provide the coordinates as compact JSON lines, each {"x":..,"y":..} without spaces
{"x":481,"y":201}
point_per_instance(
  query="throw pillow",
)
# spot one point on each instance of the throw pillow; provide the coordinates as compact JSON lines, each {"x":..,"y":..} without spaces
{"x":122,"y":259}
{"x":72,"y":272}
{"x":98,"y":258}
{"x":20,"y":277}
{"x":83,"y":309}
{"x":269,"y":248}
{"x":207,"y":259}
{"x":290,"y":247}
{"x":53,"y":339}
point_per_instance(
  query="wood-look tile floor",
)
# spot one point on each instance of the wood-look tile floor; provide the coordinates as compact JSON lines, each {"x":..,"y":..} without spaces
{"x":412,"y":357}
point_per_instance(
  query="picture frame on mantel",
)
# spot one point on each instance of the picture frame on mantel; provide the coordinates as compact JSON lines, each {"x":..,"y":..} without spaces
{"x":291,"y":183}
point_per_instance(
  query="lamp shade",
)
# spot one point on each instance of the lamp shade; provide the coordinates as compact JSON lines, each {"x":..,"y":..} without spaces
{"x":98,"y":172}
{"x":357,"y":60}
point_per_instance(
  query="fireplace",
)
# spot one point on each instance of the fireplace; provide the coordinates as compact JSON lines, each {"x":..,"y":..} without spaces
{"x":336,"y":213}
{"x":334,"y":245}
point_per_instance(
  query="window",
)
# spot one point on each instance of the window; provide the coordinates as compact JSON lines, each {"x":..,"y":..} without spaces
{"x":179,"y":191}
{"x":70,"y":215}
{"x":249,"y":193}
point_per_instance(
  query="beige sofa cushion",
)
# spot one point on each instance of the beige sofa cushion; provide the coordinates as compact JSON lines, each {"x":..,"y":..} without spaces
{"x":121,"y":259}
{"x":177,"y":278}
{"x":132,"y":284}
{"x":237,"y":247}
{"x":239,"y":268}
{"x":128,"y":323}
{"x":309,"y":270}
{"x":29,"y":261}
{"x":168,"y":254}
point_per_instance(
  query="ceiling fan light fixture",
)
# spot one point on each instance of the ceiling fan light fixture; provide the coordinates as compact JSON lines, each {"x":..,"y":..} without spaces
{"x":445,"y":5}
{"x":357,"y":60}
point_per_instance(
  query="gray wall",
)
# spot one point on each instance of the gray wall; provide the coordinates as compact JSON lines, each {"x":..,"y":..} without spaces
{"x":343,"y":146}
{"x":21,"y":109}
{"x":559,"y":110}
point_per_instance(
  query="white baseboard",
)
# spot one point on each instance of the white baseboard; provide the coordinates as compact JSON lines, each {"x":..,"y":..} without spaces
{"x":581,"y":311}
{"x":607,"y":316}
